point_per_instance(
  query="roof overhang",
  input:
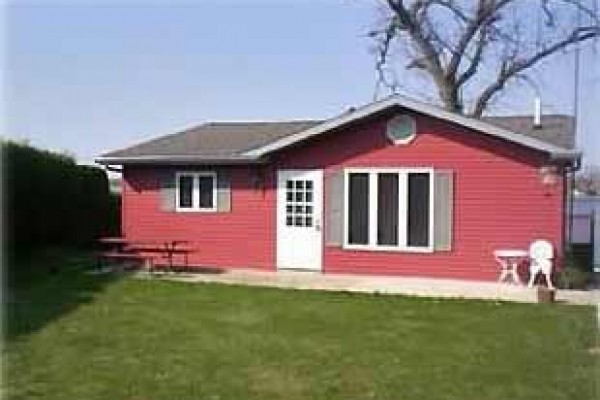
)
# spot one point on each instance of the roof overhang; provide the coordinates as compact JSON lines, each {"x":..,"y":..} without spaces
{"x":180,"y":159}
{"x":420,"y":107}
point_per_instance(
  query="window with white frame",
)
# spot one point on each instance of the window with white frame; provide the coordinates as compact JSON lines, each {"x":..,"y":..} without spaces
{"x":196,"y":191}
{"x":389,"y":209}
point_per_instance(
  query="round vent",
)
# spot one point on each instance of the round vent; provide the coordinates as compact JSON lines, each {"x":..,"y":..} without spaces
{"x":401,"y":129}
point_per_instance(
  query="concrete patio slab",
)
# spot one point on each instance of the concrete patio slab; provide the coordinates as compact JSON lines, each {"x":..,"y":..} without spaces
{"x":448,"y":288}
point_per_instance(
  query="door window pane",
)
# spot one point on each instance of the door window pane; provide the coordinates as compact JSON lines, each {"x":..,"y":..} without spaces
{"x":299,"y":203}
{"x":418,"y":210}
{"x":387,"y":209}
{"x":186,"y":186}
{"x":309,"y":196}
{"x":358,"y":208}
{"x":205,"y":185}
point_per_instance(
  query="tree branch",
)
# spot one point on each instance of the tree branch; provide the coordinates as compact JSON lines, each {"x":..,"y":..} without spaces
{"x":510,"y":69}
{"x":388,"y":34}
{"x":486,"y":14}
{"x":475,"y":61}
{"x":431,"y":57}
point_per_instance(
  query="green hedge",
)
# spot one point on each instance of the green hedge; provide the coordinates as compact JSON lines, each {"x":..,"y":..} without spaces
{"x":50,"y":200}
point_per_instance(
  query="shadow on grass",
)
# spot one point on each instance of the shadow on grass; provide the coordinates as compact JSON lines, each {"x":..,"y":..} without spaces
{"x":43,"y":285}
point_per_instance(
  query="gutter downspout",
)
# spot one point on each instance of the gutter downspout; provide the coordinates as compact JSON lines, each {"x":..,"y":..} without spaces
{"x":568,"y":190}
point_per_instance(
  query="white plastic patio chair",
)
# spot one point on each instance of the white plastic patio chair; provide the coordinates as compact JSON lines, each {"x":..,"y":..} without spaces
{"x":541,"y":254}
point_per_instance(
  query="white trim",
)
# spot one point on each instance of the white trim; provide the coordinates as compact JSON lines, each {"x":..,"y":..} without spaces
{"x":373,"y":206}
{"x":345,"y":231}
{"x":420,"y":107}
{"x":402,"y":209}
{"x":196,"y":191}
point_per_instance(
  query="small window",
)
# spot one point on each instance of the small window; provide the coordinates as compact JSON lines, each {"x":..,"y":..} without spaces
{"x":298,"y":205}
{"x":186,"y":189}
{"x":401,"y":129}
{"x":196,"y":191}
{"x":206,"y":189}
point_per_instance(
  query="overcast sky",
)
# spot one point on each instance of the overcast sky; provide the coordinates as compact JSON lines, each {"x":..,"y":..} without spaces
{"x":88,"y":77}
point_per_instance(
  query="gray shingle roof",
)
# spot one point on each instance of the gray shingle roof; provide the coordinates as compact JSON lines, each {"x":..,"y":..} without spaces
{"x":247,"y":141}
{"x":555,"y":129}
{"x":215,"y":139}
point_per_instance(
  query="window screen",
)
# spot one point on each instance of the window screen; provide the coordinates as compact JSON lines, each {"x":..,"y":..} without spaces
{"x":186,"y":186}
{"x":206,"y":186}
{"x":358,"y":208}
{"x":418,"y":210}
{"x":387,"y":209}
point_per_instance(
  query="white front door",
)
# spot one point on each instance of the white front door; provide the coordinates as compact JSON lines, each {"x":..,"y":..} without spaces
{"x":299,"y":219}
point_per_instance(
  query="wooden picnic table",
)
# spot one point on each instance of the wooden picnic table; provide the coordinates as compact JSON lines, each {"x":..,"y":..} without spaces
{"x":168,"y":248}
{"x":123,"y":248}
{"x":115,"y":248}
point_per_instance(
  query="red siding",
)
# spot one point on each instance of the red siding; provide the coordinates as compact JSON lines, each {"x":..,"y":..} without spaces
{"x":500,"y":202}
{"x":243,"y":237}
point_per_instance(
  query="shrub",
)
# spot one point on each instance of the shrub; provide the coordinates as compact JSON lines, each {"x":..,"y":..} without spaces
{"x":572,"y":278}
{"x":576,"y":272}
{"x":50,"y":200}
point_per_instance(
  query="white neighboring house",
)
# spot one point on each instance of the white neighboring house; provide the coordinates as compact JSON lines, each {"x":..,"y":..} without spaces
{"x":586,"y":223}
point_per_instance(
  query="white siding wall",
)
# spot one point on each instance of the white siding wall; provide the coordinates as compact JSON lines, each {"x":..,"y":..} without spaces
{"x":583,"y":207}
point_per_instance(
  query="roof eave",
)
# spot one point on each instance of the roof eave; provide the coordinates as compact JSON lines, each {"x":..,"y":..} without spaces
{"x":571,"y":158}
{"x":178,"y":160}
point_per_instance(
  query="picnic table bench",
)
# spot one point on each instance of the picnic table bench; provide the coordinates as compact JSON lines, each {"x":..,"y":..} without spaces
{"x":145,"y":251}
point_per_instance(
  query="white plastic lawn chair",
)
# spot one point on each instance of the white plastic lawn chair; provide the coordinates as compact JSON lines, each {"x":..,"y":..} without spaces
{"x":541,"y":254}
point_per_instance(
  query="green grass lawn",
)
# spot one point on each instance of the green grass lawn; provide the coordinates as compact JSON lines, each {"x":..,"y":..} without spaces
{"x":74,"y":336}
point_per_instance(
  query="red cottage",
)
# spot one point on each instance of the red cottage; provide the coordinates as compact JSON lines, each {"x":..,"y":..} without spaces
{"x":395,"y":187}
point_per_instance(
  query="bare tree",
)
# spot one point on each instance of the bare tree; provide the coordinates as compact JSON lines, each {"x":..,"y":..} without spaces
{"x":588,"y":181}
{"x":471,"y":49}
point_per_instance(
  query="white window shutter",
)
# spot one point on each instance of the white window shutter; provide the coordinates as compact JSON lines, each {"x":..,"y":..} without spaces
{"x":335,"y":209}
{"x":443,"y":210}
